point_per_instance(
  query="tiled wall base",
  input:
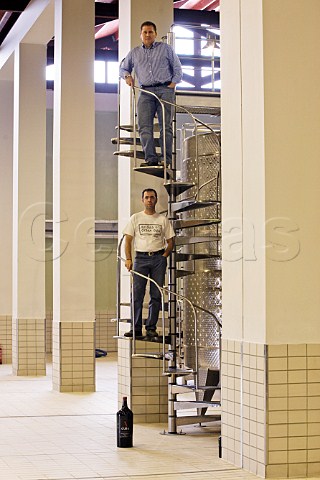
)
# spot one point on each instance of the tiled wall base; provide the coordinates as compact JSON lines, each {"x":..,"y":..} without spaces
{"x":293,"y":415}
{"x":105,"y":330}
{"x":6,"y":338}
{"x":271,"y":408}
{"x":73,"y":360}
{"x":141,"y":380}
{"x":28,"y":347}
{"x":243,"y":405}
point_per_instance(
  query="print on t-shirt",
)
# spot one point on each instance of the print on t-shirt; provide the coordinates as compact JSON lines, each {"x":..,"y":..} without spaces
{"x":147,"y":229}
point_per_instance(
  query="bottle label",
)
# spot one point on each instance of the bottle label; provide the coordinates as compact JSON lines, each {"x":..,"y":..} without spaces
{"x":125,"y":430}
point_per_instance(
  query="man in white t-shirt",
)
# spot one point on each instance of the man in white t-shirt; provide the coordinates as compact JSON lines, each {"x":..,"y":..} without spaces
{"x":152,"y":236}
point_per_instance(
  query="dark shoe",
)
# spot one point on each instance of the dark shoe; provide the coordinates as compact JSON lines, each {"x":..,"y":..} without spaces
{"x":153,"y":164}
{"x":152,"y":333}
{"x":138,"y":333}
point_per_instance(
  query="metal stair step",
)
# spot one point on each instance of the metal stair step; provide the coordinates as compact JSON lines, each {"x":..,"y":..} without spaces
{"x":187,"y":205}
{"x":183,"y":273}
{"x":187,"y":404}
{"x":179,"y":371}
{"x":191,"y":419}
{"x":202,"y":387}
{"x":125,"y":141}
{"x":130,"y":153}
{"x":129,"y":128}
{"x":130,"y":141}
{"x":157,"y":171}
{"x":186,"y":257}
{"x":195,"y":109}
{"x":193,"y":222}
{"x":184,"y":240}
{"x":178,"y":187}
{"x":146,"y":339}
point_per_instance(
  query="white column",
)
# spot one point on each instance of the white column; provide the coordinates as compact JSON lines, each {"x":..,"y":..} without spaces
{"x":74,"y":197}
{"x":29,"y":163}
{"x":6,"y":144}
{"x":271,"y":171}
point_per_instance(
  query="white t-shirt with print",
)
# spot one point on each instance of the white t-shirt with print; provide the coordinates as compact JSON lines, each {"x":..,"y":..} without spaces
{"x":149,"y":231}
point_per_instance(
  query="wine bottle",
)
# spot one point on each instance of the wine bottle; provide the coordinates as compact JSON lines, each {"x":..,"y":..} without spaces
{"x":124,"y":425}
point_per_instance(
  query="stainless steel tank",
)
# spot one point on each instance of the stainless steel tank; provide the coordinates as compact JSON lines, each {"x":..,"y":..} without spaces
{"x":203,"y":287}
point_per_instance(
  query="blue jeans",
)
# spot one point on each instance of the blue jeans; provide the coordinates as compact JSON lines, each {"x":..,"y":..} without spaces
{"x":155,"y":268}
{"x":148,"y":106}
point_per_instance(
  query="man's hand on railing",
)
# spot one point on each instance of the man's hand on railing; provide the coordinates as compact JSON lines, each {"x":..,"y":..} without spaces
{"x":128,"y":264}
{"x":129,"y":80}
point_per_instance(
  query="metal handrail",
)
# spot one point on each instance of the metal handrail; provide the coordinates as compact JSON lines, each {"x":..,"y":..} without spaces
{"x":162,"y":290}
{"x":195,"y":122}
{"x":180,"y":297}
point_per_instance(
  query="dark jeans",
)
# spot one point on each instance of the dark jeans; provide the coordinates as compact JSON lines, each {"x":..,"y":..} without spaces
{"x":154,"y":267}
{"x":148,"y":106}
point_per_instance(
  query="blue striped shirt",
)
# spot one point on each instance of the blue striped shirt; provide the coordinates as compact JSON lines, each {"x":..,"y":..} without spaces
{"x":157,"y":64}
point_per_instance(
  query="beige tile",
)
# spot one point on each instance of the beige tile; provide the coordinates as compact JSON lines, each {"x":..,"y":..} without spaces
{"x":313,"y":389}
{"x":297,"y":456}
{"x":314,"y":416}
{"x":279,"y":443}
{"x":278,"y":377}
{"x":299,"y":350}
{"x":297,"y":416}
{"x":276,"y":418}
{"x":313,"y":363}
{"x":314,"y":428}
{"x":297,"y":363}
{"x":313,"y":376}
{"x":276,"y":471}
{"x":277,"y":350}
{"x":277,"y":457}
{"x":297,"y":403}
{"x":297,"y":390}
{"x":313,"y":469}
{"x":297,"y":429}
{"x":313,"y":403}
{"x":297,"y":443}
{"x":313,"y":350}
{"x":278,"y":404}
{"x":313,"y":455}
{"x":275,"y":391}
{"x":298,"y":470}
{"x":277,"y":363}
{"x":297,"y":376}
{"x":314,"y":442}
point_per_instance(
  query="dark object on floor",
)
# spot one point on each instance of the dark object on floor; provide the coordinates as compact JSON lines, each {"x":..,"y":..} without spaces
{"x":100,"y":353}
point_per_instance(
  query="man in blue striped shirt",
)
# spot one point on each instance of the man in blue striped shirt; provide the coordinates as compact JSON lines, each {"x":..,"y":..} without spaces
{"x":158,"y":70}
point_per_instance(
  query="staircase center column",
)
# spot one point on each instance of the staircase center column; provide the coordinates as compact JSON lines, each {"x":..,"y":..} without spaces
{"x":74,"y":198}
{"x":271,"y":196}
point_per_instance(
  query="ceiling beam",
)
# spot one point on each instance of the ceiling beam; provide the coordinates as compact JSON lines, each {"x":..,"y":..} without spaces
{"x":198,"y":17}
{"x":13,"y":5}
{"x":106,"y":11}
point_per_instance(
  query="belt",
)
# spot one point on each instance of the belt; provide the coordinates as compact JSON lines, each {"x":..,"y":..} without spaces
{"x":165,"y":84}
{"x":150,"y":254}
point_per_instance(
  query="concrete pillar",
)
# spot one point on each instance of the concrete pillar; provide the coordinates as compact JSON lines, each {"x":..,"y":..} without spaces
{"x":271,"y":172}
{"x":29,"y":161}
{"x":74,"y":198}
{"x":6,"y":145}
